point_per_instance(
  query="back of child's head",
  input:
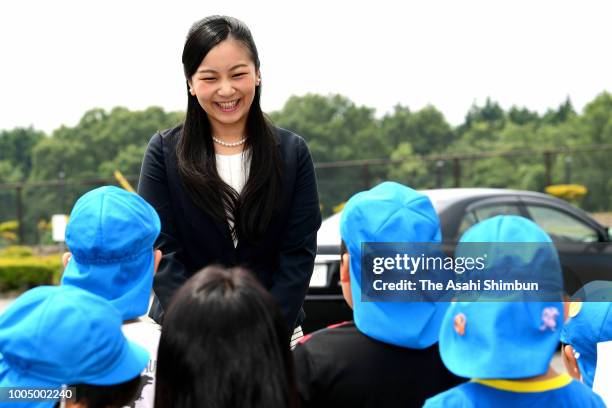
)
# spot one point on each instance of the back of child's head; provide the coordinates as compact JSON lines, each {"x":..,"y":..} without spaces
{"x":224,"y":344}
{"x":53,"y":336}
{"x":589,"y":323}
{"x":394,"y":213}
{"x":111,"y":233}
{"x":506,"y":339}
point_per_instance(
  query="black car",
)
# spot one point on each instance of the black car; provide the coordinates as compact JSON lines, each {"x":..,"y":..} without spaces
{"x":584,"y":245}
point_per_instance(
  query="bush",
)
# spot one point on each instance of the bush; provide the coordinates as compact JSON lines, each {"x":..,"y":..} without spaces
{"x":20,"y":274}
{"x":16,"y":251}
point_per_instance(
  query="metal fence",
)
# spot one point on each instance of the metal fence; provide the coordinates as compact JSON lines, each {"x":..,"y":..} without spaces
{"x":31,"y":202}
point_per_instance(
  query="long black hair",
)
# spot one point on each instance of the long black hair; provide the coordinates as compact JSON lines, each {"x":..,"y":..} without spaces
{"x":224,"y":344}
{"x":252,"y":211}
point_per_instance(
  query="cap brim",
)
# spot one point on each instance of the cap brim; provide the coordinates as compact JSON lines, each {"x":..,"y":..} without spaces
{"x":131,"y":363}
{"x":10,"y":378}
{"x":127,"y":285}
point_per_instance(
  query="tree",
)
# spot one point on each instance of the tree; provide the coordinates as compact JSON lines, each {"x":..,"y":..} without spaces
{"x":411,"y":169}
{"x":593,"y":169}
{"x":564,"y":113}
{"x":99,"y":144}
{"x":522,"y":116}
{"x":395,"y":126}
{"x":491,"y":113}
{"x":336,"y":129}
{"x":16,"y":149}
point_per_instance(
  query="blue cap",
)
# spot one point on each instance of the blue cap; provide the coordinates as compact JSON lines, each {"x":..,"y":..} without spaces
{"x":589,"y":323}
{"x":504,"y":339}
{"x":111,"y":233}
{"x":55,"y":335}
{"x":391,"y":212}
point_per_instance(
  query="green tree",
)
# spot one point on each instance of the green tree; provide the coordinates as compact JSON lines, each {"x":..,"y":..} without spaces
{"x":593,"y":169}
{"x":336,"y":129}
{"x":426,"y":130}
{"x":491,"y":113}
{"x":563,"y":113}
{"x":99,"y":144}
{"x":522,"y":116}
{"x":411,"y":169}
{"x":16,"y":149}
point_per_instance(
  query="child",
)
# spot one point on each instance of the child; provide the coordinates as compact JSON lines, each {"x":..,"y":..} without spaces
{"x":506,"y":347}
{"x":387,"y":357}
{"x":110,"y":234}
{"x":589,"y":324}
{"x":224,"y":345}
{"x":53,"y":336}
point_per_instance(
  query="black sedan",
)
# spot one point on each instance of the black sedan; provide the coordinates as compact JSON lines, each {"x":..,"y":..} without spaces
{"x":584,"y":245}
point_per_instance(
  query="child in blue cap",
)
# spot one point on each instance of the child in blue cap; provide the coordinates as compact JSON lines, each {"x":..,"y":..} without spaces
{"x":387,"y":356}
{"x":54,"y":336}
{"x":589,"y":323}
{"x":110,"y":234}
{"x":506,"y":347}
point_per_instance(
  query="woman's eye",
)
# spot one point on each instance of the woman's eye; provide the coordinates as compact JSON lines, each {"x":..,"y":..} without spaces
{"x":239,"y":75}
{"x":208,"y":79}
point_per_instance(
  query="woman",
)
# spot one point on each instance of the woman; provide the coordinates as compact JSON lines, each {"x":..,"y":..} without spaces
{"x":228,"y":186}
{"x":224,"y":345}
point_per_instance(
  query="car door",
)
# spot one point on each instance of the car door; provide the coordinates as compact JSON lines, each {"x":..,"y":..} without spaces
{"x":460,"y":217}
{"x":584,"y":251}
{"x":484,"y":208}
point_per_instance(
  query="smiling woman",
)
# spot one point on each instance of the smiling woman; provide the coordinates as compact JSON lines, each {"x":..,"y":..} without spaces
{"x":224,"y":85}
{"x":229,"y":187}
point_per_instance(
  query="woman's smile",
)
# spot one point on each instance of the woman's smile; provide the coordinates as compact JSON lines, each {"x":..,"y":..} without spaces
{"x":228,"y":107}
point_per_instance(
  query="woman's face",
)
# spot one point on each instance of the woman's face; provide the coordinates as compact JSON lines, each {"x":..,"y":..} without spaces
{"x":224,"y":84}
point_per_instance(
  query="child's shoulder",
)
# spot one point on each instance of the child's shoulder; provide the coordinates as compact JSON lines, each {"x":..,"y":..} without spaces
{"x":329,"y":333}
{"x":578,"y":394}
{"x":461,"y":396}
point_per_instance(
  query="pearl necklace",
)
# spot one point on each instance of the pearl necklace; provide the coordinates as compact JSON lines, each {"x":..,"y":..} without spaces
{"x":228,"y":144}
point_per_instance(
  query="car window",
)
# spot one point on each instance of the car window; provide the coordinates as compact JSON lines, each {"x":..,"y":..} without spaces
{"x":482,"y":213}
{"x":561,"y":226}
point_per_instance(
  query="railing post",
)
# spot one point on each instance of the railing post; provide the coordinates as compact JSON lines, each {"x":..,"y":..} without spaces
{"x":366,"y":176}
{"x":18,"y":203}
{"x":548,"y":168}
{"x":568,"y":169}
{"x":439,"y":168}
{"x":457,"y":171}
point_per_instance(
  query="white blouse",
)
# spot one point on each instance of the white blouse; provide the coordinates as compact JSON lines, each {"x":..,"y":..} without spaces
{"x":234,"y":171}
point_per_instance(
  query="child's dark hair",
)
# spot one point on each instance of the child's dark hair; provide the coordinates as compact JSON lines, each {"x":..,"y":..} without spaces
{"x":343,"y":250}
{"x":224,"y":344}
{"x":106,"y":396}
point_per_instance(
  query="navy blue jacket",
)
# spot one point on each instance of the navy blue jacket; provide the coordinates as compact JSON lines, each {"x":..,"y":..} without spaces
{"x":191,"y":239}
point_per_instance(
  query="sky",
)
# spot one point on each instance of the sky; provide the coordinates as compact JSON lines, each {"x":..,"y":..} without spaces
{"x":60,"y":58}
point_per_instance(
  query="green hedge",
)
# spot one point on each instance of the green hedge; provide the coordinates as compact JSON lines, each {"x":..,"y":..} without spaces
{"x":16,"y":251}
{"x":19,"y":274}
